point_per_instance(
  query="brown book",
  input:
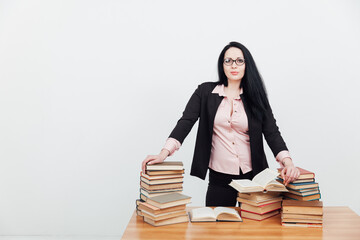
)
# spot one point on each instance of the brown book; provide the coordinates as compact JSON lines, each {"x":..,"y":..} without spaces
{"x":302,"y":207}
{"x":259,"y":196}
{"x":143,"y":197}
{"x":304,"y":174}
{"x":167,"y":165}
{"x":158,"y":193}
{"x":169,"y":200}
{"x":301,"y":216}
{"x":158,"y":217}
{"x":179,"y":219}
{"x":156,"y":211}
{"x":303,"y":198}
{"x":308,"y":225}
{"x":158,"y":177}
{"x":160,"y":186}
{"x":161,"y":181}
{"x":164,"y":172}
{"x":257,"y":204}
{"x":258,"y":217}
{"x":299,"y":220}
{"x":301,"y":186}
{"x":261,"y":209}
{"x":161,"y":190}
{"x":305,"y":193}
{"x":139,"y":213}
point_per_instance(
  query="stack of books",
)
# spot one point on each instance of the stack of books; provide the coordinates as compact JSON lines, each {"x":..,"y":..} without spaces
{"x":161,"y":202}
{"x":160,"y":179}
{"x":304,"y":188}
{"x":259,"y":205}
{"x":165,"y":209}
{"x":302,"y":213}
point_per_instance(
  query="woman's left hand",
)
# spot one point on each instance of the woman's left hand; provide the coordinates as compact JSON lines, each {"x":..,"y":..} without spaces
{"x":290,"y":173}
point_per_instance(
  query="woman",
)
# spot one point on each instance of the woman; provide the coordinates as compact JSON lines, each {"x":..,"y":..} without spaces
{"x":233,"y":115}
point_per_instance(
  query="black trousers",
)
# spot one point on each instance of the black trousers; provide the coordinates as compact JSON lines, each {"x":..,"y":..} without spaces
{"x":219,"y":193}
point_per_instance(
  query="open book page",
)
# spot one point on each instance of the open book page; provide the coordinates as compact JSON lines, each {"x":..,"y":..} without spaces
{"x":264,"y":177}
{"x":202,"y":214}
{"x":246,"y":183}
{"x":229,"y":214}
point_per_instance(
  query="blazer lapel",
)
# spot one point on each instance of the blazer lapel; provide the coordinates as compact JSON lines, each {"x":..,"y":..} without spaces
{"x":213,"y":103}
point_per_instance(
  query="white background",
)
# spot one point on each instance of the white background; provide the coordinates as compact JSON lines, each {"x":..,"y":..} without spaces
{"x":89,"y":88}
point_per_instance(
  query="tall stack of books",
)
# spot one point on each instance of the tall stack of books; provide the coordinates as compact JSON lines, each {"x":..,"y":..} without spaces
{"x":162,"y":178}
{"x":302,"y":213}
{"x":165,"y":209}
{"x":302,"y":206}
{"x":161,"y":202}
{"x":259,"y":205}
{"x":304,"y":188}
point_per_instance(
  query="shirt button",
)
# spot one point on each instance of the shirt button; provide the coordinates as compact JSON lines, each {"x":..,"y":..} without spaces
{"x":228,"y":121}
{"x":237,"y":156}
{"x":233,"y":143}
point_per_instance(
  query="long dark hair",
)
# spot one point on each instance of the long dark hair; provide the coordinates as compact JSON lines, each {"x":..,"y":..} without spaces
{"x":252,"y":84}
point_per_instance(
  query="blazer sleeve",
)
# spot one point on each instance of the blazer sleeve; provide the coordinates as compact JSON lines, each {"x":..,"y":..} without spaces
{"x":272,"y":134}
{"x":189,"y":117}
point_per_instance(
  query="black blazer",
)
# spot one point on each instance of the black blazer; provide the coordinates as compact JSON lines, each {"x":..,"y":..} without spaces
{"x":203,"y":105}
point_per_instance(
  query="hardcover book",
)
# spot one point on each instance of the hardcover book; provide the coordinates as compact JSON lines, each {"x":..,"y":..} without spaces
{"x":167,"y":165}
{"x":302,"y":207}
{"x":169,"y":200}
{"x":178,"y":219}
{"x":258,"y":217}
{"x":261,"y":209}
{"x":304,"y":174}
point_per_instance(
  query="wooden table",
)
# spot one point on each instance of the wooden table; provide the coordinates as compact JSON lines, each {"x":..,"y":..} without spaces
{"x":338,"y":223}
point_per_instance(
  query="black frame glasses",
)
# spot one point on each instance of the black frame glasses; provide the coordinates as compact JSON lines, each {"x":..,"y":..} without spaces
{"x":230,"y":61}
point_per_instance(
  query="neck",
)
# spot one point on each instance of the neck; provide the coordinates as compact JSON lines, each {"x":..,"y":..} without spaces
{"x":233,"y":85}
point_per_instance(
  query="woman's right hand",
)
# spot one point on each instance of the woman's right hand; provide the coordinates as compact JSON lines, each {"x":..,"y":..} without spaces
{"x":152,"y":159}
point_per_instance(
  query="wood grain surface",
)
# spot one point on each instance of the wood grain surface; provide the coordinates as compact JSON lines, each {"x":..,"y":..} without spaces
{"x":339,"y":223}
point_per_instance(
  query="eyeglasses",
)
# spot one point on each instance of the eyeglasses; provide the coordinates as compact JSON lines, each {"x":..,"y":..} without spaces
{"x":230,"y":61}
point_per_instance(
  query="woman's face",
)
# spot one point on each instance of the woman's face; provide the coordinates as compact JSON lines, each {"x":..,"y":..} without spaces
{"x":234,"y":72}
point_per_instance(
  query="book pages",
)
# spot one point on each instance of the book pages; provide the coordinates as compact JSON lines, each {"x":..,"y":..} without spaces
{"x":203,"y":213}
{"x":264,"y":177}
{"x":219,"y":210}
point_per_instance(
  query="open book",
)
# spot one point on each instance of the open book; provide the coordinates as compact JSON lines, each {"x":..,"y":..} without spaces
{"x":263,"y":181}
{"x":207,"y":214}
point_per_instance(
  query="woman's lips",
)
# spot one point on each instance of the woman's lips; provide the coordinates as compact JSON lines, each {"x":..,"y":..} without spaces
{"x":234,"y":73}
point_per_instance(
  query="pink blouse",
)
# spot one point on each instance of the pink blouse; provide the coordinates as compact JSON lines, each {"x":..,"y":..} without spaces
{"x":230,"y":141}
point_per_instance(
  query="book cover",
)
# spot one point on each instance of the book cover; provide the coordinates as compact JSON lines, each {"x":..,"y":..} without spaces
{"x":155,"y":210}
{"x":158,"y":177}
{"x":161,"y":181}
{"x":302,"y":207}
{"x":160,"y":186}
{"x":261,"y":209}
{"x":169,"y":200}
{"x":178,"y":219}
{"x":258,"y":217}
{"x":311,"y":197}
{"x":164,"y":172}
{"x":257,"y":204}
{"x":304,"y":174}
{"x":300,"y":186}
{"x":167,"y":165}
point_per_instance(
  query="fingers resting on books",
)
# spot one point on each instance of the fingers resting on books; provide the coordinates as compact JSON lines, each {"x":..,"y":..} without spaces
{"x":290,"y":174}
{"x":151,"y":159}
